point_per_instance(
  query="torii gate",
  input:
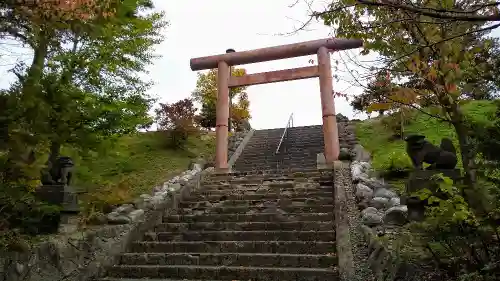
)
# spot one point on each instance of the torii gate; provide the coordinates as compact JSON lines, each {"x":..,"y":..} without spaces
{"x":323,"y":70}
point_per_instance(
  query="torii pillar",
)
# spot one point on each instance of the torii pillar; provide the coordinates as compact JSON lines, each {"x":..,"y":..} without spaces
{"x":321,"y":48}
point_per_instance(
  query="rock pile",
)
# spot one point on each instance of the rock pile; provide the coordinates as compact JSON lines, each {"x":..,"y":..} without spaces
{"x":128,"y":213}
{"x":377,"y":202}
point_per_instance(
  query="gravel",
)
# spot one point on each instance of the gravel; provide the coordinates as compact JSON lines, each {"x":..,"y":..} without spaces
{"x":359,"y":245}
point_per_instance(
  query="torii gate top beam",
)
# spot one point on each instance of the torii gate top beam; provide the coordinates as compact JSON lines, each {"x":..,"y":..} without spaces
{"x":275,"y":53}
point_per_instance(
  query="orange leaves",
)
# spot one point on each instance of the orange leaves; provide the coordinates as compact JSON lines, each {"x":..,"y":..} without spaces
{"x":414,"y":64}
{"x":432,"y":74}
{"x":398,"y":98}
{"x":379,"y":106}
{"x":63,"y":10}
{"x":444,"y":76}
{"x":451,"y":87}
{"x":404,"y":96}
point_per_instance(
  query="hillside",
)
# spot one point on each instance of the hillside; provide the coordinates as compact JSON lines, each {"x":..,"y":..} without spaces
{"x":389,"y":155}
{"x":137,"y":162}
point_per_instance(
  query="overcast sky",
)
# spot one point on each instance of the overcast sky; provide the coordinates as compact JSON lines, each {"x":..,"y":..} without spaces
{"x":207,"y":27}
{"x":201,"y":28}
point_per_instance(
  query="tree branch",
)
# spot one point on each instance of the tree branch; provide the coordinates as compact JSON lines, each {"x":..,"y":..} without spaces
{"x":433,"y":12}
{"x":446,"y":39}
{"x":397,"y":101}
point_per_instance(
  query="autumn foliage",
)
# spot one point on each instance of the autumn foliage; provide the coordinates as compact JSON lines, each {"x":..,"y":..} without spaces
{"x":177,"y":120}
{"x":206,"y":94}
{"x":62,"y":10}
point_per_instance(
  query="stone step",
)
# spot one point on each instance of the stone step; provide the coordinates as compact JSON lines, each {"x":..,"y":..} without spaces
{"x":286,"y":247}
{"x":262,"y":190}
{"x":223,"y":272}
{"x":254,"y":209}
{"x":283,"y":163}
{"x":269,"y":217}
{"x":149,"y":279}
{"x":274,"y":178}
{"x":256,"y":178}
{"x":229,"y":259}
{"x":245,"y":195}
{"x":280,"y":164}
{"x":306,"y":149}
{"x":246,"y":226}
{"x":313,"y":171}
{"x":288,"y":186}
{"x":285,"y":184}
{"x":264,"y":173}
{"x":285,"y":153}
{"x":256,"y":235}
{"x":250,"y":203}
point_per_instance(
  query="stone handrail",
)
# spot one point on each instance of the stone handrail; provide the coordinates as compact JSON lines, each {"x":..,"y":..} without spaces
{"x":240,"y":148}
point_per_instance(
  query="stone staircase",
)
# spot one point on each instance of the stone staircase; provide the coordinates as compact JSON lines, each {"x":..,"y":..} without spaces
{"x":253,"y":226}
{"x":259,"y":153}
{"x":299,"y":149}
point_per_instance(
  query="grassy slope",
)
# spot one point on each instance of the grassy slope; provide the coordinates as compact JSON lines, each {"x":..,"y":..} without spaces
{"x":138,"y":161}
{"x":389,"y":154}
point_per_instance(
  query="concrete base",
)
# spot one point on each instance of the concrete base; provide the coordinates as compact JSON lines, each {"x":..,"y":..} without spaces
{"x":321,"y":162}
{"x":223,"y":170}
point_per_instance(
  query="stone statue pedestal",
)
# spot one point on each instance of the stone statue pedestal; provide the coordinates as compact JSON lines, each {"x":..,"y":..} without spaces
{"x":59,"y":195}
{"x":420,"y":179}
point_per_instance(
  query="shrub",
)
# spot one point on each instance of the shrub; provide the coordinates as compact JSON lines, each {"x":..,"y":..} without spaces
{"x":177,"y":120}
{"x":462,"y":241}
{"x":20,"y":211}
{"x":395,"y":163}
{"x":397,"y":122}
{"x":104,"y":199}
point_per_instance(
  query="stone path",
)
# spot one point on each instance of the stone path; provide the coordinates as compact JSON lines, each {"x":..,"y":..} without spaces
{"x":242,"y":227}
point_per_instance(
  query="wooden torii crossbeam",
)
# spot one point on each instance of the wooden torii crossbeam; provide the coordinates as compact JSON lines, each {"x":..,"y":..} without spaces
{"x":323,"y":70}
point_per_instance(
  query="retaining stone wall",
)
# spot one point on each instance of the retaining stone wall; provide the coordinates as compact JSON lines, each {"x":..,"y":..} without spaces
{"x":382,"y":215}
{"x":83,"y":255}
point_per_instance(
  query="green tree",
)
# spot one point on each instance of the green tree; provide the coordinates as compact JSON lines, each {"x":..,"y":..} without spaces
{"x":92,"y":90}
{"x":206,"y":94}
{"x":95,"y":85}
{"x":39,"y":25}
{"x":440,"y":63}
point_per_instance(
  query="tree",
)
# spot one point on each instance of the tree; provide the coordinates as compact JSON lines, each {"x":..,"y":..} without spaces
{"x":88,"y":92}
{"x":206,"y":94}
{"x":97,"y":78}
{"x":376,"y":93}
{"x":241,"y":113}
{"x":178,"y":120}
{"x":436,"y":57}
{"x":438,"y":63}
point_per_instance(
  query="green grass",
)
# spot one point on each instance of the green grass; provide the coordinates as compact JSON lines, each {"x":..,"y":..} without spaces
{"x":390,"y":155}
{"x":139,"y":161}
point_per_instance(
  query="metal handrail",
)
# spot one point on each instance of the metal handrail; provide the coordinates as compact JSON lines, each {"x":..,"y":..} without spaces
{"x":288,"y":124}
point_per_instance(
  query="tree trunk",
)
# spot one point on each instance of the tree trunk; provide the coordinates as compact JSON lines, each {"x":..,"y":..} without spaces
{"x":467,"y":152}
{"x":19,"y":146}
{"x":36,"y":69}
{"x":55,"y":151}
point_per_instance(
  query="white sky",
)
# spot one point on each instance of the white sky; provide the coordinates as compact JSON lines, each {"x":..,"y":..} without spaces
{"x":201,"y":28}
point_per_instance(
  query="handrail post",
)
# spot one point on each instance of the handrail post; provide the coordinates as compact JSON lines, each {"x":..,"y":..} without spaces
{"x":290,"y":121}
